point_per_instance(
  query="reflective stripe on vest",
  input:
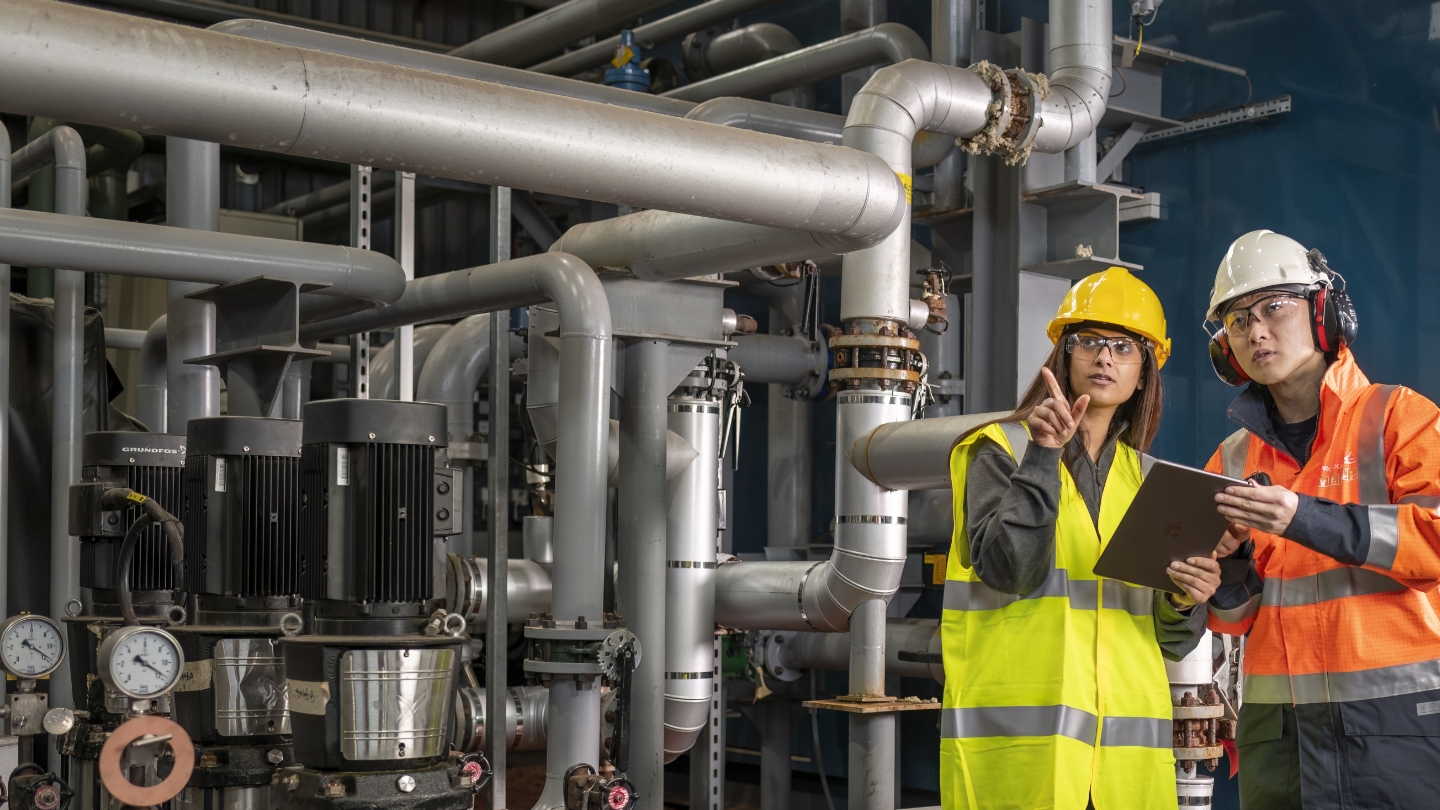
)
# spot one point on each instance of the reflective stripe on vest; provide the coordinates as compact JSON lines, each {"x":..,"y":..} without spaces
{"x":1328,"y":687}
{"x":1053,"y":721}
{"x":1084,"y":594}
{"x":1337,"y":583}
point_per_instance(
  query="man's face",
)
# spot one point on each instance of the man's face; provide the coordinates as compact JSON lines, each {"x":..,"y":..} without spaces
{"x":1269,"y":333}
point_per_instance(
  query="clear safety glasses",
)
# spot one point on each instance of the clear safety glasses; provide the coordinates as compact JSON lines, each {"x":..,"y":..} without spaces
{"x":1269,"y":311}
{"x":1089,"y":347}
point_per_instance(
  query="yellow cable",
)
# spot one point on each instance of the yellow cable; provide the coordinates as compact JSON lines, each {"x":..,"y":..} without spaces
{"x":1141,"y":40}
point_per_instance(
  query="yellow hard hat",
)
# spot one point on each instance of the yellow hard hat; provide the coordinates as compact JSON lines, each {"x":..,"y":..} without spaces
{"x":1118,"y":298}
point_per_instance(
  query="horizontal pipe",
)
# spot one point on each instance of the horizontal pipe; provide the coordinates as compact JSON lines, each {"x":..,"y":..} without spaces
{"x":526,"y":716}
{"x":552,"y":29}
{"x":806,"y":125}
{"x":662,"y":246}
{"x":788,"y":360}
{"x":742,"y":47}
{"x":663,"y":30}
{"x":209,"y":86}
{"x":527,"y":589}
{"x":915,"y":454}
{"x":209,"y":12}
{"x":887,"y":42}
{"x":126,"y":339}
{"x":788,"y":654}
{"x":30,"y":238}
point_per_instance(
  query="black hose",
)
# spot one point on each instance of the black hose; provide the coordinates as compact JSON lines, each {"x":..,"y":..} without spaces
{"x":121,"y":498}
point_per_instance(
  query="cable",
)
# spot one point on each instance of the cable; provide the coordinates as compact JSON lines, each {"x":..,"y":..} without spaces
{"x":121,"y":498}
{"x":122,"y":568}
{"x":819,"y":758}
{"x":1124,"y":85}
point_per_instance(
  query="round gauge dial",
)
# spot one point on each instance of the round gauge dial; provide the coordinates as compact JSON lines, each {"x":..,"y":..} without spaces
{"x":141,"y":662}
{"x":31,"y":646}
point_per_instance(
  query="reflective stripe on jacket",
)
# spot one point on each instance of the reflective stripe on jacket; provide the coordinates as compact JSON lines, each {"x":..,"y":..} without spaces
{"x":1322,"y":630}
{"x":1057,"y":697}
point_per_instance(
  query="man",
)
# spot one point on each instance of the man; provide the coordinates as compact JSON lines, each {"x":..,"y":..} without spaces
{"x":1342,"y":667}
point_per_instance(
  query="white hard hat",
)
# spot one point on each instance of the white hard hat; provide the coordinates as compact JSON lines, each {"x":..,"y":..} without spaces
{"x":1261,"y":259}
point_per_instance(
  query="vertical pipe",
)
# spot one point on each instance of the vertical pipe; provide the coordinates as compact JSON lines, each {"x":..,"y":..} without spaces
{"x":361,"y":225}
{"x":4,"y":393}
{"x":789,"y":465}
{"x":775,"y":754}
{"x":496,"y":575}
{"x":641,"y":555}
{"x":404,"y":224}
{"x":857,"y":15}
{"x":872,"y":736}
{"x":192,"y":194}
{"x":952,"y":23}
{"x":1080,"y":161}
{"x":71,"y":191}
{"x":151,"y":385}
{"x":991,"y":329}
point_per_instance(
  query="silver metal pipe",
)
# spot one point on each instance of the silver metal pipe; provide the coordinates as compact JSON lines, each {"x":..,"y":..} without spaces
{"x":124,"y":339}
{"x":497,"y":573}
{"x":384,"y":379}
{"x":775,"y":767}
{"x":209,"y":12}
{"x":552,"y":29}
{"x":641,"y":557}
{"x":195,"y":256}
{"x":451,"y":66}
{"x":678,"y":454}
{"x":152,"y":377}
{"x":662,"y":246}
{"x":742,"y":47}
{"x":806,"y":125}
{"x":63,"y":147}
{"x":691,"y":531}
{"x":952,"y":26}
{"x":912,"y":455}
{"x":5,"y":200}
{"x":206,"y":85}
{"x":1081,"y":49}
{"x":524,"y":718}
{"x":789,"y":360}
{"x":192,"y":183}
{"x":887,"y":42}
{"x":451,"y":372}
{"x":527,"y":589}
{"x":663,"y":30}
{"x":788,"y":655}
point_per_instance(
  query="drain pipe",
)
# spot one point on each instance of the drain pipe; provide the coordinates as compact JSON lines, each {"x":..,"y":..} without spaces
{"x":153,"y":382}
{"x":449,"y":376}
{"x":691,"y":531}
{"x":663,"y":30}
{"x":173,"y":80}
{"x":887,"y":42}
{"x":580,"y":492}
{"x":62,"y":147}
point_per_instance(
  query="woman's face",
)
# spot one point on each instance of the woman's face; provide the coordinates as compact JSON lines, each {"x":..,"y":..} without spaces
{"x":1107,"y":364}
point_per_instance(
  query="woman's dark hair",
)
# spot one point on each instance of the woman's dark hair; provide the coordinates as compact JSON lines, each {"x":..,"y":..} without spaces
{"x":1136,"y":421}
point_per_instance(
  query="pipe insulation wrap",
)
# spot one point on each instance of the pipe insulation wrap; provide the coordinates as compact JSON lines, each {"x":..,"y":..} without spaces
{"x":1081,"y":43}
{"x":914,"y":455}
{"x":527,"y":589}
{"x":786,"y":654}
{"x":204,"y":85}
{"x":185,"y":254}
{"x":789,"y":360}
{"x":691,"y":530}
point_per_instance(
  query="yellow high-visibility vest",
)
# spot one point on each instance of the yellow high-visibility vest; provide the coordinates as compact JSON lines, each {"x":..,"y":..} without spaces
{"x":1058,"y":697}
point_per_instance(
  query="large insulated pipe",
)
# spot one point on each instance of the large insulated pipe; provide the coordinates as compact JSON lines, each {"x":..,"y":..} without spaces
{"x":527,"y":589}
{"x":912,"y":455}
{"x":192,"y":194}
{"x":152,"y":381}
{"x":193,"y":256}
{"x":663,"y":30}
{"x":788,"y":360}
{"x":739,"y":48}
{"x":210,"y":86}
{"x":691,"y":533}
{"x":887,"y":42}
{"x":62,"y":147}
{"x":641,"y":556}
{"x":552,"y":29}
{"x":788,"y":654}
{"x":384,"y":384}
{"x":525,"y":715}
{"x":5,"y":194}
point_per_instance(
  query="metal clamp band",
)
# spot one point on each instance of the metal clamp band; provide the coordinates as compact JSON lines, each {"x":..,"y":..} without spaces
{"x":688,"y":676}
{"x":884,"y":519}
{"x":690,"y":564}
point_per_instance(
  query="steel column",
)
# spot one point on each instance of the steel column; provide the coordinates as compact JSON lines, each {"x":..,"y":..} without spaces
{"x":496,"y":575}
{"x":404,"y":229}
{"x":361,"y":191}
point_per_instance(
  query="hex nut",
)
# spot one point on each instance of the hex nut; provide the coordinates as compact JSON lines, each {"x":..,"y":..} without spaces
{"x":275,"y":756}
{"x":405,"y":784}
{"x":334,"y":790}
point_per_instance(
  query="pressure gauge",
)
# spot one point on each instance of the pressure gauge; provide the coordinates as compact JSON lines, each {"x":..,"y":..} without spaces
{"x":31,"y":646}
{"x":141,"y":662}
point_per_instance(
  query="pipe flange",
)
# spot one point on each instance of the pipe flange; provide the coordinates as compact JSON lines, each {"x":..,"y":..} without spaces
{"x":1027,"y":91}
{"x":774,"y":652}
{"x":997,"y":114}
{"x":865,"y":340}
{"x":610,"y":649}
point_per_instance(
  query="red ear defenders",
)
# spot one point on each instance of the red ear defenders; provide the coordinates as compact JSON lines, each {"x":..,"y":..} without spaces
{"x":1332,"y":322}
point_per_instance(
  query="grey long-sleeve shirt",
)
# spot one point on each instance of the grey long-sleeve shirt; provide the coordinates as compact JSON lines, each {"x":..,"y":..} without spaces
{"x":1010,"y":513}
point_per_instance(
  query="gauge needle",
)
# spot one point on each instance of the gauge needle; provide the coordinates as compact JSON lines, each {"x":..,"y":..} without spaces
{"x":142,"y":662}
{"x":25,"y":642}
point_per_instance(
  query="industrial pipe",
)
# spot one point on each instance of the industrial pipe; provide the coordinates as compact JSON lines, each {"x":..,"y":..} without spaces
{"x":184,"y":254}
{"x":63,"y":147}
{"x":152,"y":383}
{"x":665,"y":29}
{"x":5,"y":198}
{"x":887,"y":42}
{"x":210,"y":12}
{"x":789,"y":360}
{"x":449,"y":375}
{"x":787,"y":655}
{"x":525,"y":718}
{"x":913,"y":455}
{"x":117,"y":338}
{"x":552,"y":29}
{"x":527,"y":589}
{"x":739,"y":48}
{"x":384,"y":384}
{"x":806,"y":125}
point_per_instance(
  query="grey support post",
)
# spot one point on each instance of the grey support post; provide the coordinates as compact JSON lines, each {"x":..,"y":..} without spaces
{"x":496,"y":575}
{"x":404,"y":225}
{"x":361,"y":196}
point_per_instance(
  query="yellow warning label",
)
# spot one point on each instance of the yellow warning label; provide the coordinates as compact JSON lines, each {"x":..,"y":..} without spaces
{"x":623,"y":54}
{"x":937,"y":573}
{"x":905,"y":181}
{"x":137,"y":497}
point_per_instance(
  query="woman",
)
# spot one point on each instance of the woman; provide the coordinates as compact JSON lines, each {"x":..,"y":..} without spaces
{"x":1055,"y":686}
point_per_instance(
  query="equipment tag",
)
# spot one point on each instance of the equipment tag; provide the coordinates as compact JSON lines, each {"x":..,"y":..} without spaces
{"x":195,"y":677}
{"x":308,"y":697}
{"x":137,"y":497}
{"x":219,"y":474}
{"x":342,"y":466}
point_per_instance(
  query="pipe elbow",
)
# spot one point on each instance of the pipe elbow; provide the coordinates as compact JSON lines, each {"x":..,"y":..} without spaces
{"x":577,"y":292}
{"x":69,"y":148}
{"x":898,"y":43}
{"x":684,"y":720}
{"x":914,"y":96}
{"x":372,"y":276}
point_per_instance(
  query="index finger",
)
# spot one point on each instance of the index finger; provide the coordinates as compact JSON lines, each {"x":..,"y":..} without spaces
{"x":1054,"y":386}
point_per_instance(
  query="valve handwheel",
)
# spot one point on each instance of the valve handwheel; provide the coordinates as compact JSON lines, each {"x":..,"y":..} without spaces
{"x":112,"y":773}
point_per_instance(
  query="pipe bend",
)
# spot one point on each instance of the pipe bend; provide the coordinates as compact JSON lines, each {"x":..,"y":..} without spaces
{"x":372,"y":277}
{"x":62,"y":145}
{"x":578,"y":294}
{"x":898,"y":43}
{"x":914,"y":96}
{"x":153,"y":382}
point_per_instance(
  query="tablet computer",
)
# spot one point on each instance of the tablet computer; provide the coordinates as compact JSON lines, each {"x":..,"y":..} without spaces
{"x":1173,"y":517}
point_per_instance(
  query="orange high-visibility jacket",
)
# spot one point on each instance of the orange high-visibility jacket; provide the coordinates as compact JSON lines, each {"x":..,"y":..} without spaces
{"x":1322,"y":630}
